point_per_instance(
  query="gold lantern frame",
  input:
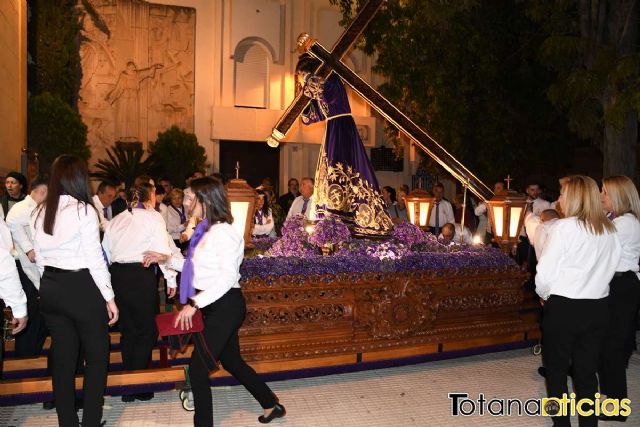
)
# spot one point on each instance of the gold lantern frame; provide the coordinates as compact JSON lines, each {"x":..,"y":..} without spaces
{"x":419,"y":204}
{"x":507,"y":210}
{"x":242,"y":198}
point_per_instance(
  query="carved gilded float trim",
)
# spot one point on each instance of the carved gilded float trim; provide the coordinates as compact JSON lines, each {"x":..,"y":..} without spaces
{"x":307,"y":316}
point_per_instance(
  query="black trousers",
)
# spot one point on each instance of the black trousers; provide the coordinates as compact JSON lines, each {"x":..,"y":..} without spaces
{"x":29,"y":342}
{"x":75,"y":313}
{"x":136,"y":293}
{"x":574,"y":330}
{"x":624,"y":300}
{"x":222,"y":319}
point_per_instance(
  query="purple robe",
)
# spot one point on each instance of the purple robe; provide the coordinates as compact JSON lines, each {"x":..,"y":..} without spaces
{"x":345,"y":183}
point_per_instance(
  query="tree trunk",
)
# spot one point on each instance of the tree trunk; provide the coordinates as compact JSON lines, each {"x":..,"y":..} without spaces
{"x":620,"y":148}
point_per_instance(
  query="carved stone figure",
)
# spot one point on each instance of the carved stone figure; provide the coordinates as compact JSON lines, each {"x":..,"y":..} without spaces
{"x":125,"y":98}
{"x":137,"y":63}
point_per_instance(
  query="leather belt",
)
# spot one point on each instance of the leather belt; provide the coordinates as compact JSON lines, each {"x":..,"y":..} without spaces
{"x":52,"y":269}
{"x":623,"y":273}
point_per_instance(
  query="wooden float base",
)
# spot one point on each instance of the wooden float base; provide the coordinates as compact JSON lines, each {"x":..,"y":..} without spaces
{"x":304,"y":322}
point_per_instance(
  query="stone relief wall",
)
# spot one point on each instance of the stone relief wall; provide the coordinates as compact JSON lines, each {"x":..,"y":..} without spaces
{"x":137,"y":71}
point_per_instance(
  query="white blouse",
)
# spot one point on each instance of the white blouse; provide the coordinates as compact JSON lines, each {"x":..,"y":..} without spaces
{"x":171,"y":216}
{"x":628,"y":230}
{"x":216,"y":263}
{"x":75,"y":243}
{"x":575,"y":263}
{"x":10,"y":288}
{"x":18,"y":222}
{"x":267,"y":226}
{"x":129,"y":235}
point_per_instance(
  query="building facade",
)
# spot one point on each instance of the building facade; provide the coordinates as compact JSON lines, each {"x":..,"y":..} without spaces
{"x":13,"y":84}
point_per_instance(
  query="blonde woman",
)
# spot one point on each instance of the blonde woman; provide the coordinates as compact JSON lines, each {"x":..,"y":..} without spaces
{"x":573,"y":274}
{"x":620,"y":199}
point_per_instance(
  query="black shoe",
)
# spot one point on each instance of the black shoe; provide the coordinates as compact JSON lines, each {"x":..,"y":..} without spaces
{"x":542,"y":371}
{"x":144,"y":396}
{"x":48,"y":405}
{"x":128,"y":398}
{"x":277,"y":412}
{"x":619,"y":418}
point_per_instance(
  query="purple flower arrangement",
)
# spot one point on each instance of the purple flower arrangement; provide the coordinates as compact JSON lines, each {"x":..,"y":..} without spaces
{"x":294,"y":241}
{"x":263,"y":243}
{"x":408,"y":234}
{"x":316,"y":264}
{"x":329,"y":232}
{"x":388,"y":250}
{"x":408,"y":250}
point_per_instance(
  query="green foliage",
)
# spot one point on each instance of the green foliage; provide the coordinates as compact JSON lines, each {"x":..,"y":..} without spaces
{"x":124,"y":164}
{"x":597,"y":65}
{"x":467,"y":72}
{"x":54,"y":128}
{"x":176,"y":154}
{"x":53,"y":44}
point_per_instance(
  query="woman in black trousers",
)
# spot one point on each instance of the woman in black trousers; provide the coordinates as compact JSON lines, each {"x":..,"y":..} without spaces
{"x":573,"y":273}
{"x":126,"y":238}
{"x":210,"y":282}
{"x":76,"y":299}
{"x":620,"y":199}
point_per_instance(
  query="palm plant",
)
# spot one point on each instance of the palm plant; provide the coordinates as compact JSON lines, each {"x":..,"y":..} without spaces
{"x":124,"y":164}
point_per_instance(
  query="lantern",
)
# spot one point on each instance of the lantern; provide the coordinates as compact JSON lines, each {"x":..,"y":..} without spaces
{"x":242,"y":199}
{"x":419,"y":204}
{"x":507,"y":210}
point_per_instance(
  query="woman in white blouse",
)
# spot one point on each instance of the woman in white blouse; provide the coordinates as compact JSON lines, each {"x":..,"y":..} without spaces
{"x":620,"y":198}
{"x":76,"y":298}
{"x":263,"y":219}
{"x":126,"y":238}
{"x":573,"y":274}
{"x":175,"y":215}
{"x":210,"y":282}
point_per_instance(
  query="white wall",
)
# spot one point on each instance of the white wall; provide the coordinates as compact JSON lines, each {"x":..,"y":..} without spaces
{"x":220,"y":26}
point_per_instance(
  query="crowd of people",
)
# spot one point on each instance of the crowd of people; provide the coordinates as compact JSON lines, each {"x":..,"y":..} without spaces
{"x":75,"y":264}
{"x":69,"y":259}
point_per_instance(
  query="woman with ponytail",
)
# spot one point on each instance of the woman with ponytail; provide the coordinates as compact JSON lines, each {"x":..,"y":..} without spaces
{"x":127,"y":237}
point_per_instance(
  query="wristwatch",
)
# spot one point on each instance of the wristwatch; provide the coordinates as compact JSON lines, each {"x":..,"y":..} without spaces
{"x":193,"y":304}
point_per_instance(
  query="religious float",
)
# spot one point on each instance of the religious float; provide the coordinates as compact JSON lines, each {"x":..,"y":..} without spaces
{"x":320,"y":298}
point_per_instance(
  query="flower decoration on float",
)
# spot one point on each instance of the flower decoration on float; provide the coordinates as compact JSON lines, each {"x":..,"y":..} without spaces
{"x":408,"y":234}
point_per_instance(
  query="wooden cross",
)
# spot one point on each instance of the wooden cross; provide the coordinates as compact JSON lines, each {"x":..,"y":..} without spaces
{"x":332,"y":61}
{"x":237,"y":170}
{"x":508,"y":180}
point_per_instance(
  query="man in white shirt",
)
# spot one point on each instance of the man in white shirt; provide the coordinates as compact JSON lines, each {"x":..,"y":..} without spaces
{"x":442,"y":211}
{"x":534,"y":191}
{"x":303,"y":204}
{"x":484,"y":221}
{"x":451,"y":234}
{"x":105,"y":195}
{"x":30,"y":342}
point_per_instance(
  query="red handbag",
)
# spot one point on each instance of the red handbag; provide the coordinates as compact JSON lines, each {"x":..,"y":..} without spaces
{"x":165,"y":322}
{"x":181,"y":338}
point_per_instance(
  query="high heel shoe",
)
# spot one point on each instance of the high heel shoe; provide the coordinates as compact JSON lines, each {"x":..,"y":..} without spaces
{"x":278,"y":411}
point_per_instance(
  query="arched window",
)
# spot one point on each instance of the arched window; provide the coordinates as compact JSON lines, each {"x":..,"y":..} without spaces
{"x":251,"y":75}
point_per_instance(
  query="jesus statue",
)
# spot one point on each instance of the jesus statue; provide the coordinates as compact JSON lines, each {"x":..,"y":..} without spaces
{"x":345,"y":185}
